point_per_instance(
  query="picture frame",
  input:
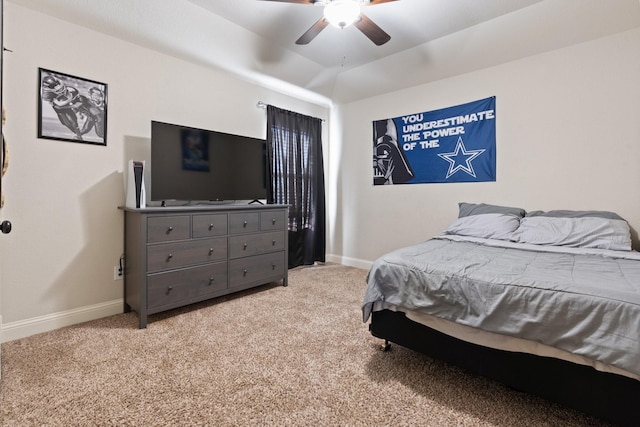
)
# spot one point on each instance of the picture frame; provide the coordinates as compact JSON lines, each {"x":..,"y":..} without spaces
{"x":71,"y":108}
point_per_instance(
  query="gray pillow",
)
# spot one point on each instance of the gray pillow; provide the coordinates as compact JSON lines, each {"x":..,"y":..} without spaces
{"x":576,"y":214}
{"x":583,"y":232}
{"x":486,"y":226}
{"x":469,"y":209}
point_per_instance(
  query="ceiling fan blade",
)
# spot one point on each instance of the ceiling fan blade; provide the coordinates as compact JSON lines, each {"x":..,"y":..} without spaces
{"x":312,"y":32}
{"x":371,"y":30}
{"x":295,"y":1}
{"x":374,"y":2}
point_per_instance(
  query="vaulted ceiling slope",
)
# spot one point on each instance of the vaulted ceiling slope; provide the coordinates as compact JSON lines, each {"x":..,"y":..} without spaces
{"x":430,"y":39}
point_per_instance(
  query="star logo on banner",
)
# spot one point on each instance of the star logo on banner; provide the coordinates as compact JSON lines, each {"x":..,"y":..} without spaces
{"x":460,"y":159}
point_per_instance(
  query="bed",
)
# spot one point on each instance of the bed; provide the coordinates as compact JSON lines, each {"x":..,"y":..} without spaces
{"x":545,"y":302}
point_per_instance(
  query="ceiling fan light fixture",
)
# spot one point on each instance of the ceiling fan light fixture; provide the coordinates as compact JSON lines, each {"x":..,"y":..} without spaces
{"x":342,"y":13}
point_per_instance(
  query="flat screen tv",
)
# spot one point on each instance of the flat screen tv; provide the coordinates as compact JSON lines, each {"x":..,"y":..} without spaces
{"x":196,"y":165}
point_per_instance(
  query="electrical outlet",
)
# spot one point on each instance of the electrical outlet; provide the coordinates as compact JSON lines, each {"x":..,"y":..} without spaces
{"x":117,"y":274}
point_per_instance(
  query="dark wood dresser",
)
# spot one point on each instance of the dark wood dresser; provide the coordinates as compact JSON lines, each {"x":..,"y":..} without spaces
{"x":176,"y":256}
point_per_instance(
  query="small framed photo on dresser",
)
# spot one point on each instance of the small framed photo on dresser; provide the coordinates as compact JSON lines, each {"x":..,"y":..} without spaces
{"x":71,"y":108}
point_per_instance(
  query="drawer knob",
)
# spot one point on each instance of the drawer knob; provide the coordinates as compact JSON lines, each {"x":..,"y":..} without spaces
{"x":169,"y":257}
{"x":244,"y":272}
{"x":210,"y":226}
{"x":244,"y":246}
{"x":273,"y":242}
{"x":169,"y":229}
{"x":169,"y":289}
{"x":210,"y":251}
{"x":273,"y":221}
{"x":211,"y":280}
{"x":244,"y":224}
{"x":273,"y":266}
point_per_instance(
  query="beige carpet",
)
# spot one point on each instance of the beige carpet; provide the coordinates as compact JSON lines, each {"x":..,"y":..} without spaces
{"x":296,"y":355}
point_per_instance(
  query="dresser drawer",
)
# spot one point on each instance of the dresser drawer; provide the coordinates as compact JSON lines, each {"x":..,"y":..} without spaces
{"x":209,"y":225}
{"x":254,"y":244}
{"x":276,"y":220}
{"x":167,"y":228}
{"x":173,"y":287}
{"x":244,"y":222}
{"x":181,"y":254}
{"x":243,"y":271}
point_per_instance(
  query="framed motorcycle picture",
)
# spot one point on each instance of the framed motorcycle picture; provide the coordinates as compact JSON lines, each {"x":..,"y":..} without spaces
{"x":71,"y":108}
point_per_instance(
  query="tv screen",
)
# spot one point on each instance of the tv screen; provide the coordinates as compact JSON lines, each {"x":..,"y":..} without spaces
{"x":189,"y":164}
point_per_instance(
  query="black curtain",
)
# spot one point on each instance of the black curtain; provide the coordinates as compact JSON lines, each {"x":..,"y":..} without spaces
{"x":294,"y":152}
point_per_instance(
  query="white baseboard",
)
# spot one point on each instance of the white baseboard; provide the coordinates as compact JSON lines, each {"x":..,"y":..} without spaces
{"x":25,"y":328}
{"x":350,"y":262}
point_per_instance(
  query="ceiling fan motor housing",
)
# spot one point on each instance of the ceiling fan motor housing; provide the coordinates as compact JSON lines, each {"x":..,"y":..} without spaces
{"x":342,"y":13}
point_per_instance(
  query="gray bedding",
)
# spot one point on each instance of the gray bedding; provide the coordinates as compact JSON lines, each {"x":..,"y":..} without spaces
{"x":581,"y":301}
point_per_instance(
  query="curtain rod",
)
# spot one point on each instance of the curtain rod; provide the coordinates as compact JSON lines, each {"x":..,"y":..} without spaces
{"x":263,"y":106}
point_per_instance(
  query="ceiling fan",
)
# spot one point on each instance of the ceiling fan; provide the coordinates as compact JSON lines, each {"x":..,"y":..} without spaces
{"x":342,"y":13}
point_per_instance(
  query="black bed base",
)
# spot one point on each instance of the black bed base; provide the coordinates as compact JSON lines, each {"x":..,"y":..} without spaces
{"x":610,"y":397}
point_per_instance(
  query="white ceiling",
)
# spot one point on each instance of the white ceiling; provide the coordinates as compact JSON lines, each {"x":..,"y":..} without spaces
{"x":430,"y":39}
{"x":410,"y":22}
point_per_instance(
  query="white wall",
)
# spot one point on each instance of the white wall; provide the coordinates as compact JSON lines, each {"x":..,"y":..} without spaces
{"x":568,"y":137}
{"x":62,"y":197}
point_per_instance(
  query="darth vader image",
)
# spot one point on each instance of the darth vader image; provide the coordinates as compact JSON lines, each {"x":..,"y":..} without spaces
{"x":390,"y":166}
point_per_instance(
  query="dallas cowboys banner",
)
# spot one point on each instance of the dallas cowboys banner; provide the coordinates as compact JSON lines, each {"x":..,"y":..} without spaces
{"x":455,"y":144}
